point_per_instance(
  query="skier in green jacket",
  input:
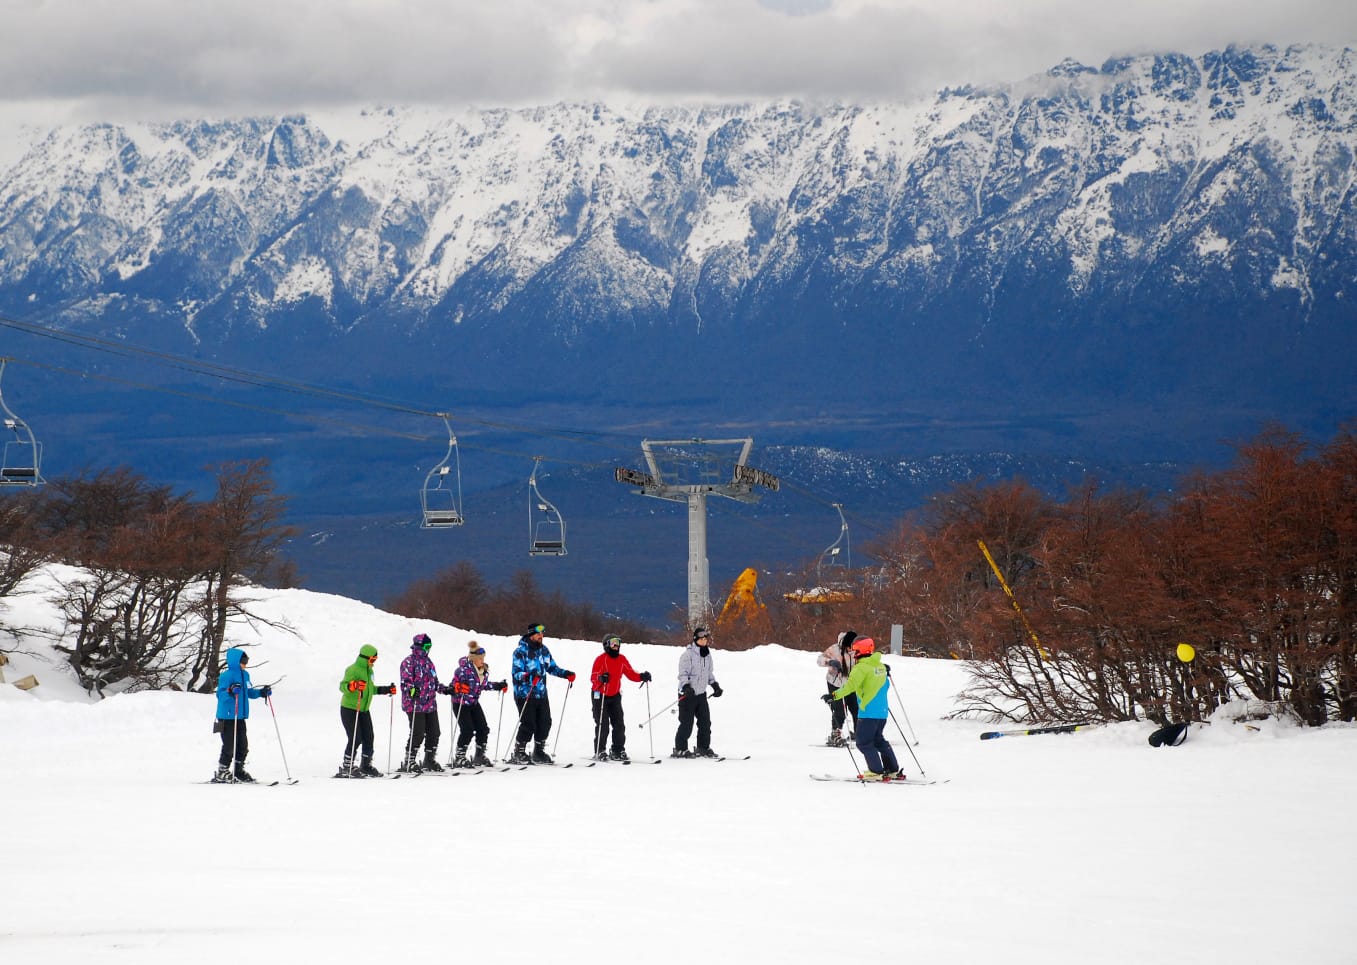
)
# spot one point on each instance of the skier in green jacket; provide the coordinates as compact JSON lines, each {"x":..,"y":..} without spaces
{"x":870,"y":680}
{"x":358,"y":690}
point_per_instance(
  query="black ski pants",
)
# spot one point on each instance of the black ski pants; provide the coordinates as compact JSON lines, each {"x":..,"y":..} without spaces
{"x":424,"y":729}
{"x":836,"y":708}
{"x":608,"y":716}
{"x":471,"y":722}
{"x":234,"y":742}
{"x":534,"y":719}
{"x":693,"y":709}
{"x":362,"y":724}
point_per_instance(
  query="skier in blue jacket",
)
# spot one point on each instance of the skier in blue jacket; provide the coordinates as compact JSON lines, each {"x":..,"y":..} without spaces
{"x":532,"y":662}
{"x":234,"y":694}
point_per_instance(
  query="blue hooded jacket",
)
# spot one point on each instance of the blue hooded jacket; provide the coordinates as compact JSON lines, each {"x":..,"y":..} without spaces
{"x":230,"y":706}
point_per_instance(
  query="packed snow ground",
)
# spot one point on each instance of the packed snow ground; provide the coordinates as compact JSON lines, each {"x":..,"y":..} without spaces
{"x":1236,"y":847}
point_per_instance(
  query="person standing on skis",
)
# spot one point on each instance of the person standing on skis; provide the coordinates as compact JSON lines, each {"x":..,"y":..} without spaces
{"x":354,"y":711}
{"x":419,"y":700}
{"x":531,"y":664}
{"x":471,"y":677}
{"x":870,"y":681}
{"x":606,"y":692}
{"x":234,"y":694}
{"x":695,"y":675}
{"x":837,"y":660}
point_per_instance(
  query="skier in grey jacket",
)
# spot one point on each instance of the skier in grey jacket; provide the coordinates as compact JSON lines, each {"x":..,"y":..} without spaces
{"x":695,"y":675}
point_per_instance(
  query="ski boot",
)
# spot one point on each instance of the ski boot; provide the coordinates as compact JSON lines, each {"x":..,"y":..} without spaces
{"x":461,"y":760}
{"x":617,"y":754}
{"x":871,"y":776}
{"x":480,"y":760}
{"x":223,"y":775}
{"x":894,"y":776}
{"x":682,"y":752}
{"x":520,"y":755}
{"x":367,"y":770}
{"x":409,"y":766}
{"x":601,"y":756}
{"x":706,"y":752}
{"x":540,"y":756}
{"x":241,"y":775}
{"x":835,"y":739}
{"x":430,"y":763}
{"x":348,"y":769}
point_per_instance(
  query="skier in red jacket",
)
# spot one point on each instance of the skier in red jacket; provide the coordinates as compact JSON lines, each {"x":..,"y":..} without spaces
{"x":606,"y":686}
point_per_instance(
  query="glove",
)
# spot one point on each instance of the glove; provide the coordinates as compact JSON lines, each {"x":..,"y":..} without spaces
{"x":570,"y":676}
{"x":500,"y":685}
{"x":414,"y":692}
{"x":266,"y":691}
{"x":888,"y":669}
{"x":827,"y":698}
{"x":357,"y":686}
{"x":715,"y":689}
{"x":835,"y":666}
{"x":461,"y":688}
{"x":645,"y":676}
{"x":687,"y":691}
{"x":603,"y":678}
{"x":390,"y":689}
{"x":233,"y":690}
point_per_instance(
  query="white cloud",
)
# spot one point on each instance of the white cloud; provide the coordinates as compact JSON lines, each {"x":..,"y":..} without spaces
{"x":181,"y":56}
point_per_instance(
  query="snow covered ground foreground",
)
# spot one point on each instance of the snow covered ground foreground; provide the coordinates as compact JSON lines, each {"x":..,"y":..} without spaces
{"x":1236,"y":847}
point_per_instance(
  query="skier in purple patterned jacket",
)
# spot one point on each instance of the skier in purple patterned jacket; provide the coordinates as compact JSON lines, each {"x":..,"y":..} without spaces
{"x":419,"y":699}
{"x":470,"y":680}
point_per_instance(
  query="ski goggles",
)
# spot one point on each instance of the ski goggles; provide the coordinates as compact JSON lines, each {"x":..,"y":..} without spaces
{"x":536,"y":628}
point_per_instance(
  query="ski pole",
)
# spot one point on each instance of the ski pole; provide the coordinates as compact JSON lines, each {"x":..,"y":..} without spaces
{"x":499,"y":722}
{"x":907,"y":747}
{"x":518,"y":725}
{"x":409,"y":741}
{"x":658,"y":712}
{"x":456,"y":728}
{"x":651,"y":733}
{"x":353,"y":737}
{"x":556,"y":743}
{"x":235,"y":726}
{"x":286,"y":770}
{"x":852,"y":757}
{"x":390,"y":725}
{"x":901,"y":702}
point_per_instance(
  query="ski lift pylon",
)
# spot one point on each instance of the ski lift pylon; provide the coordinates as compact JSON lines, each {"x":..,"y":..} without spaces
{"x":441,"y":497}
{"x":546,"y":528}
{"x":21,"y":462}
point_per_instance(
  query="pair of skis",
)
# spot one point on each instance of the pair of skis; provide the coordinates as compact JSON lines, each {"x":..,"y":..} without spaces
{"x":911,"y":781}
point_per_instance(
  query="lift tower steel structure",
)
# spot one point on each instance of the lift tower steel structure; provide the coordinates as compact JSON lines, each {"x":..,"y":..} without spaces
{"x":688,"y":471}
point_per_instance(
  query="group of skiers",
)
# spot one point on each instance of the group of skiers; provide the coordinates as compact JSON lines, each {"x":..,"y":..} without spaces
{"x":858,"y":683}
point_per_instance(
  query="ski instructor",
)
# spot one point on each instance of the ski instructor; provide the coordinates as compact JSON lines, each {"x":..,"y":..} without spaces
{"x":871,"y":683}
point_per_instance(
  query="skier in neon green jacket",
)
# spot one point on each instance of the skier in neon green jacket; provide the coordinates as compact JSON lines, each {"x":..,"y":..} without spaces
{"x":358,"y":691}
{"x":871,"y":682}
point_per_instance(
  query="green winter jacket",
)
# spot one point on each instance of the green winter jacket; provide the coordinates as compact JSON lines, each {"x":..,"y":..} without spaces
{"x":870,"y":681}
{"x":358,"y":670}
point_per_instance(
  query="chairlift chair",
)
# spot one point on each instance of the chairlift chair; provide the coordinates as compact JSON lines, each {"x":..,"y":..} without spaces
{"x":546,"y":528}
{"x":441,"y":496}
{"x":837,"y":559}
{"x":21,"y":460}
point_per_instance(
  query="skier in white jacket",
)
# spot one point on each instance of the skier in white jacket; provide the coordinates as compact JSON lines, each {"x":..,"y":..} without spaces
{"x":695,"y":675}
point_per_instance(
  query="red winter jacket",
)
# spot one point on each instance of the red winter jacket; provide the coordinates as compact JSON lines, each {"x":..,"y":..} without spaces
{"x":614,"y":667}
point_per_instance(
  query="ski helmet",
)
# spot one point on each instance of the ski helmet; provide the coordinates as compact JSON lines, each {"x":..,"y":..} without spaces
{"x":422,"y":640}
{"x":612,"y":643}
{"x":700,"y":632}
{"x":864,"y":647}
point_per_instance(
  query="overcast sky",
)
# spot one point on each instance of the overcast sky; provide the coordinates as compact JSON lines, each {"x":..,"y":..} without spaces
{"x":194,"y":57}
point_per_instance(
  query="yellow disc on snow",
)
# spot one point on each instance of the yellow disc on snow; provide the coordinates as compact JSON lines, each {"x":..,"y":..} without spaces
{"x":1185,"y":652}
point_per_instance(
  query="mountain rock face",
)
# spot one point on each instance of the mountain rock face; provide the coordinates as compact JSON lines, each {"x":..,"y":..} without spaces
{"x":1175,"y":233}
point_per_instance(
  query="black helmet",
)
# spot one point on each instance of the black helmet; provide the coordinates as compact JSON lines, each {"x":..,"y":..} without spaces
{"x":700,"y":632}
{"x":612,"y":642}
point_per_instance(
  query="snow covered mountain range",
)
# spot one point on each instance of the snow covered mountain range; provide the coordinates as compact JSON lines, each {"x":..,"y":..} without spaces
{"x":1164,"y":233}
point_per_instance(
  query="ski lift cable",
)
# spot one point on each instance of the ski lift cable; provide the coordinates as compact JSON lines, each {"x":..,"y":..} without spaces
{"x":258,"y":380}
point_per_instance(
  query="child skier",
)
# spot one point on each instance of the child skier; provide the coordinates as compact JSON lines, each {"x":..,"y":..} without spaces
{"x":472,"y":677}
{"x":234,"y":694}
{"x":871,"y":682}
{"x":532,"y":662}
{"x":606,"y":690}
{"x":837,"y":660}
{"x":694,"y":677}
{"x":419,"y":700}
{"x":358,"y":691}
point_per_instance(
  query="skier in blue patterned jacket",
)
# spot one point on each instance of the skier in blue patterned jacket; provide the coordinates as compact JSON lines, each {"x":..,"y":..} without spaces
{"x":532,"y":662}
{"x":471,"y":679}
{"x":419,"y":699}
{"x":234,"y":694}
